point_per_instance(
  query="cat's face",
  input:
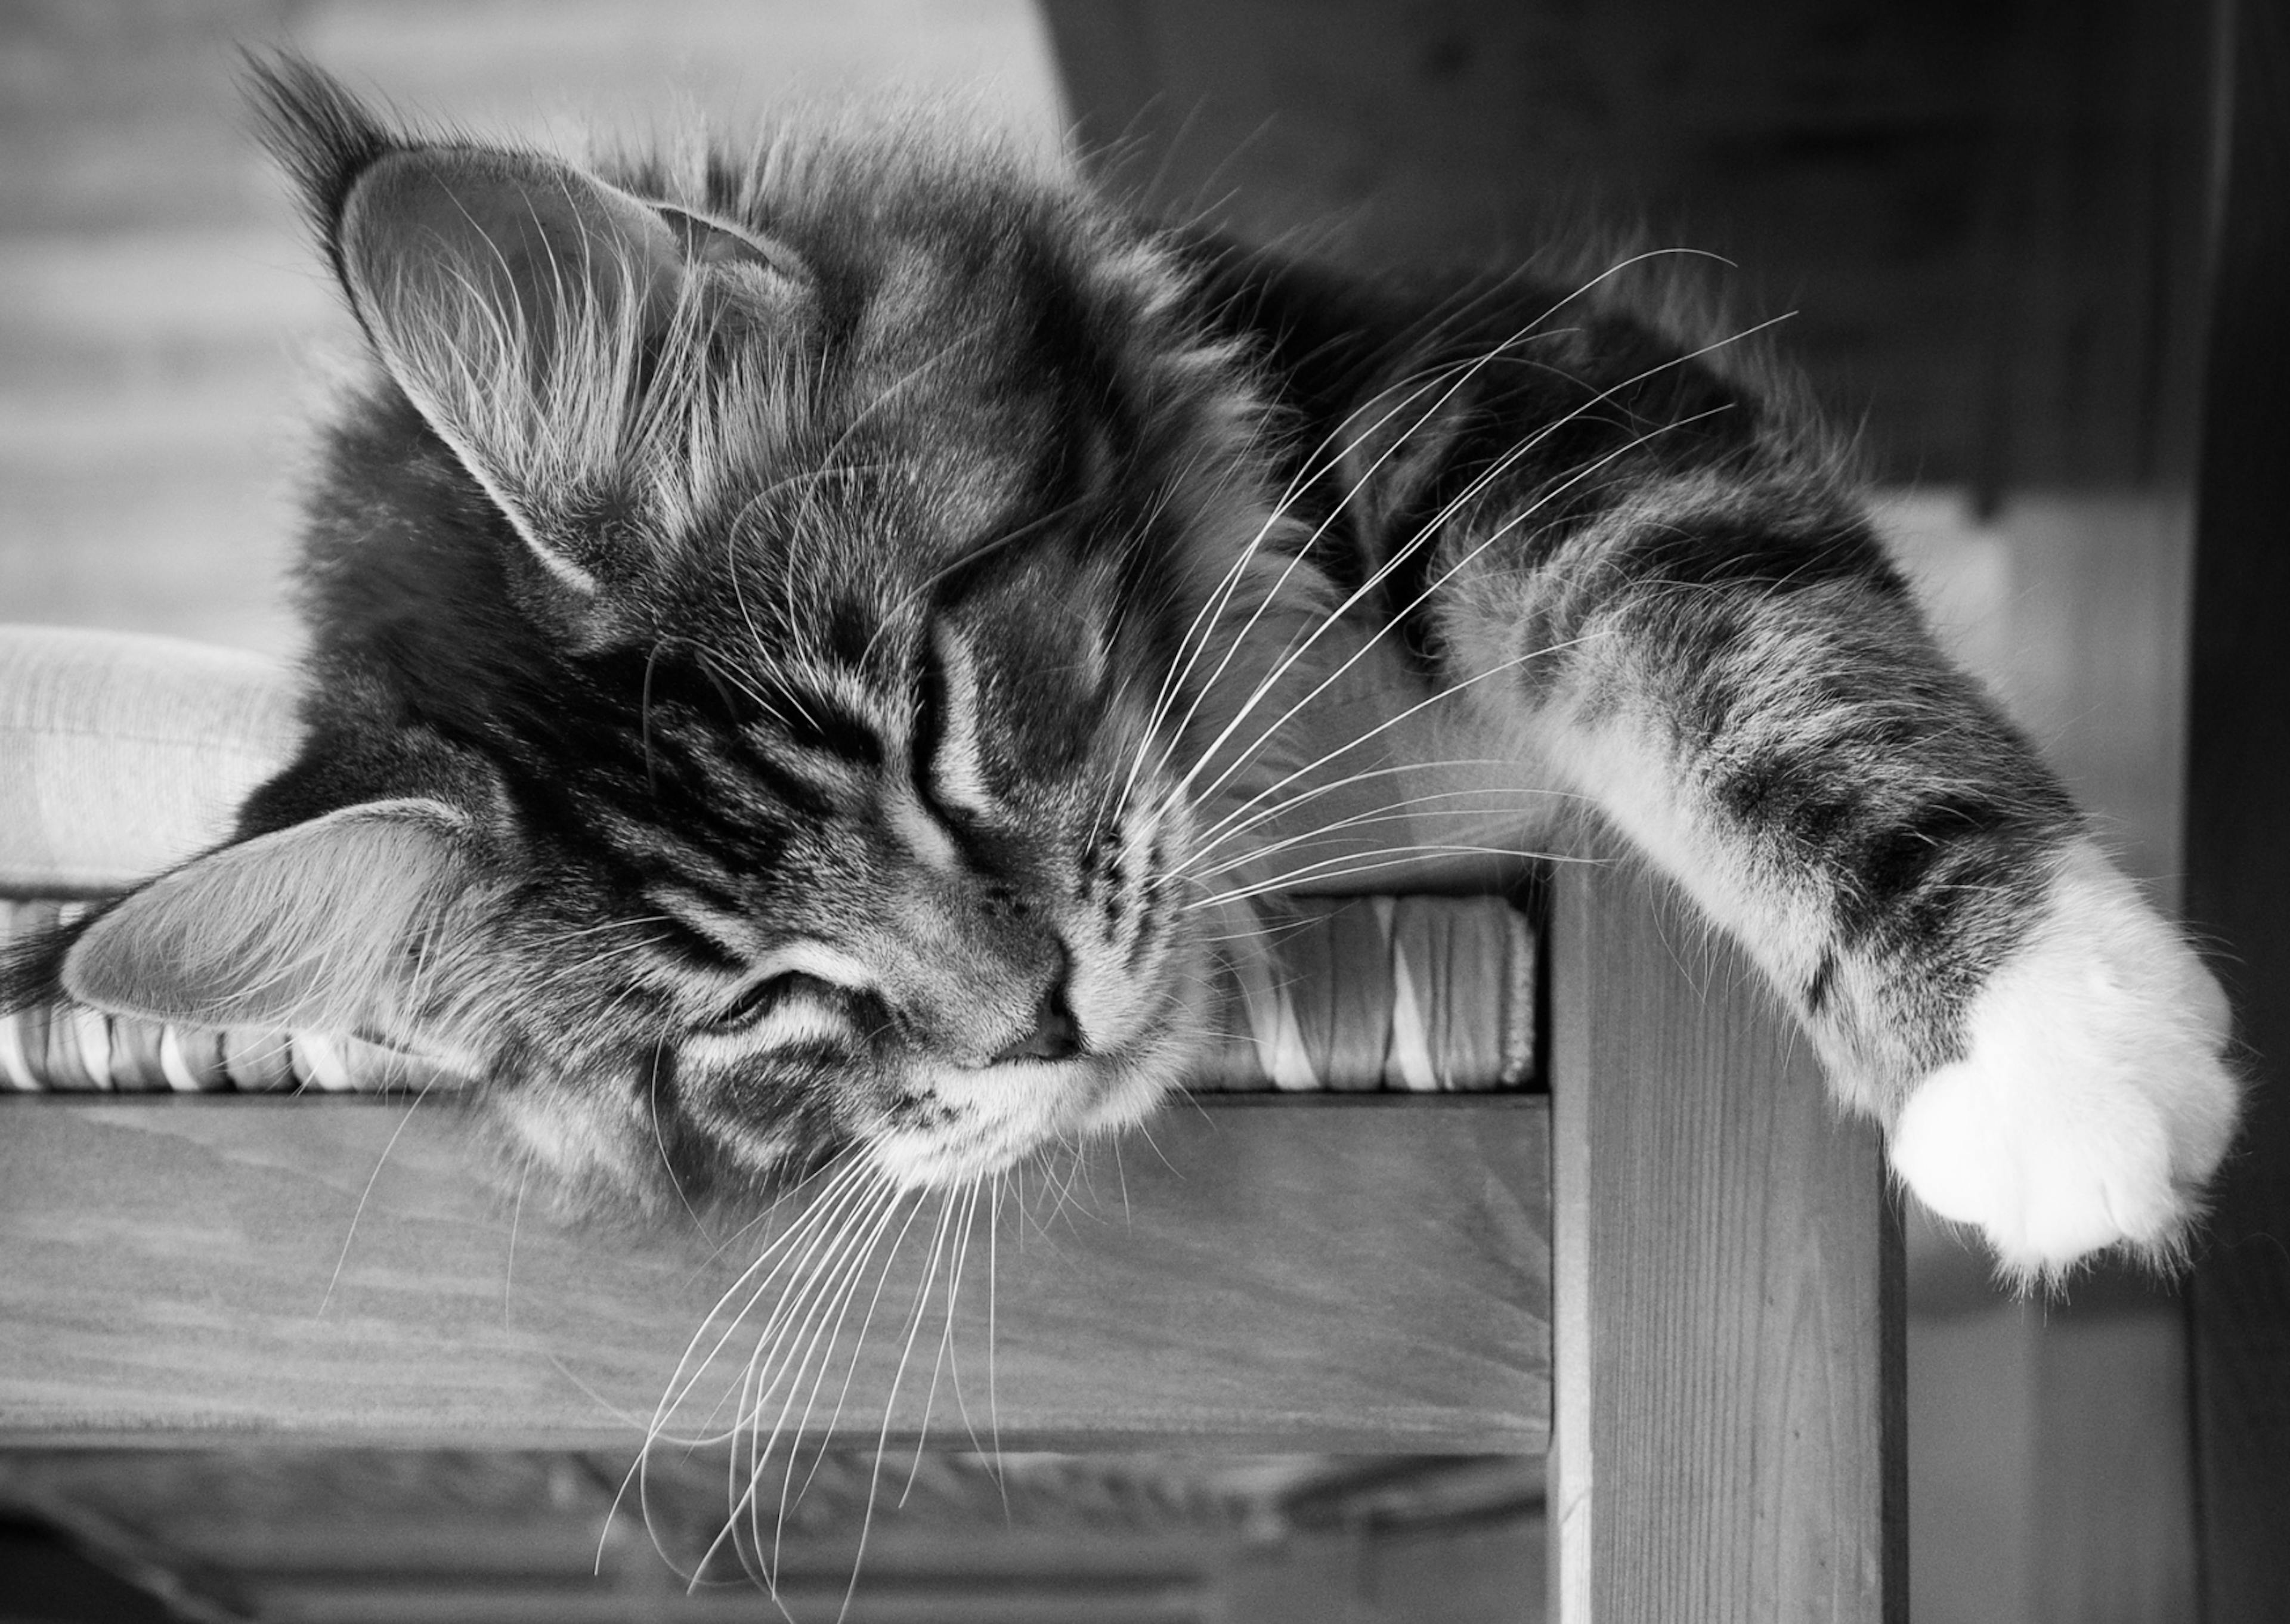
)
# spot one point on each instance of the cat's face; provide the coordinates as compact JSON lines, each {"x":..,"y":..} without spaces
{"x":758,"y":610}
{"x":907,"y":883}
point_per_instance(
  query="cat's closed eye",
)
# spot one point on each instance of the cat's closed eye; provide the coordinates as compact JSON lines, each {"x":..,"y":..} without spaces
{"x":762,"y":998}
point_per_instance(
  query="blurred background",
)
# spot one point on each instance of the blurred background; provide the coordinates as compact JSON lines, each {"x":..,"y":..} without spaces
{"x":1984,"y":222}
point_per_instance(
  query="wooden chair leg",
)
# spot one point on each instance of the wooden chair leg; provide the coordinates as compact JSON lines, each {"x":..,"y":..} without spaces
{"x":1729,"y":1412}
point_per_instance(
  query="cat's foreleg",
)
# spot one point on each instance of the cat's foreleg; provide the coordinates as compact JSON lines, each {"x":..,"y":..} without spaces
{"x":1737,"y":678}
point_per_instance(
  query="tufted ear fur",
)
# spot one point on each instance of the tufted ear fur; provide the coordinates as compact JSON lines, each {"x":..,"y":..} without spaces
{"x":552,"y":328}
{"x":511,"y":299}
{"x":322,"y":924}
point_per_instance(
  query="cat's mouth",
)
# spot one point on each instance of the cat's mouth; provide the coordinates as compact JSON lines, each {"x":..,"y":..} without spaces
{"x":965,"y":1122}
{"x":980,"y":1120}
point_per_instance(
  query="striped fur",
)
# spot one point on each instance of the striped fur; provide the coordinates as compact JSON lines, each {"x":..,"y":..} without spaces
{"x":869,"y":613}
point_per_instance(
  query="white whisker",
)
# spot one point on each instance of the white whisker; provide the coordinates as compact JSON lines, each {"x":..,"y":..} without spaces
{"x":846,"y":1189}
{"x":1232,"y":825}
{"x":882,"y":1441}
{"x":1402,"y":812}
{"x":1423,"y":537}
{"x":1348,"y":868}
{"x":1425,"y":534}
{"x":930,"y":1277}
{"x":365,"y":1195}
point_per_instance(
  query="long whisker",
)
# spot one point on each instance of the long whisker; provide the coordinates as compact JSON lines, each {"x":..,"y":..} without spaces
{"x":1202,"y":629}
{"x":882,"y":1441}
{"x":1407,"y":811}
{"x":1329,"y":454}
{"x":1353,"y":867}
{"x":1422,"y":537}
{"x":846,"y":1188}
{"x":812,"y":1304}
{"x":962,"y":1254}
{"x":844,"y":1261}
{"x":1476,"y":677}
{"x":509,"y":1268}
{"x":1239,"y":820}
{"x":1368,"y":644}
{"x":365,"y":1195}
{"x":1430,"y":530}
{"x":993,"y":1281}
{"x":819,"y":1300}
{"x":791,"y":1492}
{"x":1273,"y":593}
{"x":946,"y":1233}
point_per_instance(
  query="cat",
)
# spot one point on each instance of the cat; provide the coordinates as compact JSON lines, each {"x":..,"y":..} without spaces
{"x":809,"y":642}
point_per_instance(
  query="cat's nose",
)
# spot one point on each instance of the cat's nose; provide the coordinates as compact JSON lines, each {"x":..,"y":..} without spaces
{"x":1056,"y":1035}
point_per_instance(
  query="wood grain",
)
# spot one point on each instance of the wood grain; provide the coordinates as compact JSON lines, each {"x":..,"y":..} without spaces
{"x":1729,"y":1412}
{"x":1313,"y":1275}
{"x":2238,"y":864}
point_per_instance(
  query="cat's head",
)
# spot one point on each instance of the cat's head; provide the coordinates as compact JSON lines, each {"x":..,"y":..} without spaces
{"x":757,"y":607}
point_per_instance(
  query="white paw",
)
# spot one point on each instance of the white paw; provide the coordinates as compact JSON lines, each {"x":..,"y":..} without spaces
{"x":2094,"y":1101}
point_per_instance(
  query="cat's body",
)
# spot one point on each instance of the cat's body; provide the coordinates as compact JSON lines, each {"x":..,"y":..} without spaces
{"x":807,"y":642}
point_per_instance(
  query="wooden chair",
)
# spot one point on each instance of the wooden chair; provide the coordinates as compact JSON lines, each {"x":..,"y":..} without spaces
{"x":1677,"y":1272}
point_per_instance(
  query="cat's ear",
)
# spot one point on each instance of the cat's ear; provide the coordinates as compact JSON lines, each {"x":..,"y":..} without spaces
{"x":322,"y":924}
{"x":514,"y":300}
{"x":548,"y":325}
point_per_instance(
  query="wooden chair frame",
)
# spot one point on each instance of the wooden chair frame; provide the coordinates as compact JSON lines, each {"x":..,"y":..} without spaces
{"x":1680,"y":1273}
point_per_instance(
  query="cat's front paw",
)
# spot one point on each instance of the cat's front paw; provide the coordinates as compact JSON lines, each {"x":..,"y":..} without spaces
{"x":2093,"y":1100}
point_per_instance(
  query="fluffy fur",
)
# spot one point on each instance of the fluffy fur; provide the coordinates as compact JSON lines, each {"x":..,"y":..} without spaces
{"x":845,"y":620}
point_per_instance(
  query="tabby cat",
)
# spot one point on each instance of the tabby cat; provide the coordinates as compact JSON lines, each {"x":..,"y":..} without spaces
{"x":811,"y":642}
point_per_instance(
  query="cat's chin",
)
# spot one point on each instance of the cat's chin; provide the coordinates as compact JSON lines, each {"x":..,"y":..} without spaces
{"x":998,"y":1115}
{"x":989,"y":1118}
